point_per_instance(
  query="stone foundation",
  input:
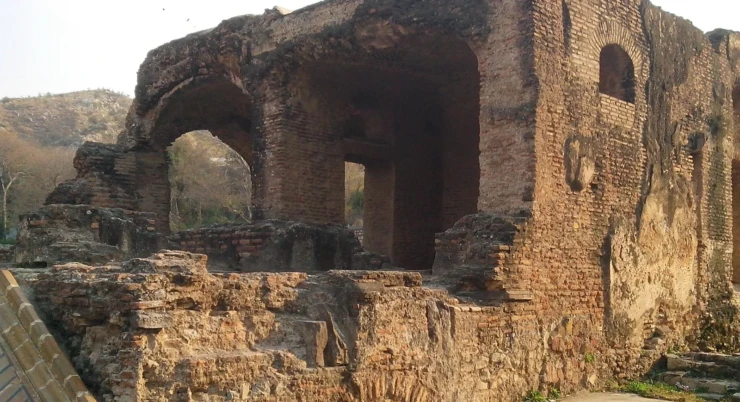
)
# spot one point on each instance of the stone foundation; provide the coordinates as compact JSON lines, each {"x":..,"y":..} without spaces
{"x":163,"y":328}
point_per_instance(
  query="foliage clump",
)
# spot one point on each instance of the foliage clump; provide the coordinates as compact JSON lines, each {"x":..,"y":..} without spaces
{"x":210,"y":183}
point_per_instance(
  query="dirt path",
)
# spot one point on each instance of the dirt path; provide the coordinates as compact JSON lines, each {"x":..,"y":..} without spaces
{"x":607,"y":397}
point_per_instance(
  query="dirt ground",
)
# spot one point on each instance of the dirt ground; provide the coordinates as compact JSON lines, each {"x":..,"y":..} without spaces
{"x":607,"y":397}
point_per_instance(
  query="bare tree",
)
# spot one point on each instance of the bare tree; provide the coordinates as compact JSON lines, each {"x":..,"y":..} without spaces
{"x":40,"y":168}
{"x":6,"y":180}
{"x":13,"y":155}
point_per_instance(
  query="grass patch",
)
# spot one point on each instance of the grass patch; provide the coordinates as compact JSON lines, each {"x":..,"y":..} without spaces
{"x":7,"y":241}
{"x":535,"y":396}
{"x":553,"y":394}
{"x":658,"y":391}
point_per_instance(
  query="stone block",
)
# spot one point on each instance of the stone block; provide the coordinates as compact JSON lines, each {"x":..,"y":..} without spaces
{"x":316,"y":338}
{"x":674,"y":362}
{"x":151,"y":320}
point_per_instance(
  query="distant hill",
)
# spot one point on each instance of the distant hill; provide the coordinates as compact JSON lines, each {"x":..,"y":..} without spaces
{"x":66,"y":120}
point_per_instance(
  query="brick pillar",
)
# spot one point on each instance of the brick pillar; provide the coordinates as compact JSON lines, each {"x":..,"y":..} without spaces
{"x":378,"y":211}
{"x":303,"y":177}
{"x":153,"y":186}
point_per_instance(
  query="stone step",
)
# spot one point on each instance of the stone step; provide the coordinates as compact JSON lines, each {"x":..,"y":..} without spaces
{"x":711,"y":397}
{"x":725,"y":360}
{"x":684,"y":380}
{"x":700,"y":368}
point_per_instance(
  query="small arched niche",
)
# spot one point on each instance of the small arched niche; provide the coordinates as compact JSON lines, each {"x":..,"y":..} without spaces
{"x":616,"y":73}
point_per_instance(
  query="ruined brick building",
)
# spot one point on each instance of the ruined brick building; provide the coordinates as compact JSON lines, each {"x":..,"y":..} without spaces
{"x":550,"y":194}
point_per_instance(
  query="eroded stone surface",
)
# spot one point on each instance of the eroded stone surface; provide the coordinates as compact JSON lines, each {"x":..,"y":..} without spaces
{"x":566,"y":169}
{"x":65,"y":233}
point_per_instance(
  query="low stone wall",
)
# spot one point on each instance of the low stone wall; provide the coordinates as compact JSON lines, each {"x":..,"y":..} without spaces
{"x":81,"y":233}
{"x":163,"y":328}
{"x":278,"y":246}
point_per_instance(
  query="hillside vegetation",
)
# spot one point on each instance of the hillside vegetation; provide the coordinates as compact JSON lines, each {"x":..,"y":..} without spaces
{"x":66,"y":120}
{"x":39,"y":137}
{"x":210,"y":183}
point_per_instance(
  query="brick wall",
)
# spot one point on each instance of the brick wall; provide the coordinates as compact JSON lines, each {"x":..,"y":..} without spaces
{"x":736,"y":221}
{"x":273,"y":246}
{"x":642,"y":192}
{"x":508,"y":90}
{"x":102,"y":180}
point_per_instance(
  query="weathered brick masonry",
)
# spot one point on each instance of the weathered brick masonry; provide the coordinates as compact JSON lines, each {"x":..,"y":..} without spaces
{"x":93,"y":235}
{"x":561,"y":172}
{"x":275,"y":246}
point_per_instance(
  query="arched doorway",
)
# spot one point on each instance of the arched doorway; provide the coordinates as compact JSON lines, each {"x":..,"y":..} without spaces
{"x":410,"y":117}
{"x":214,"y":105}
{"x":210,"y":183}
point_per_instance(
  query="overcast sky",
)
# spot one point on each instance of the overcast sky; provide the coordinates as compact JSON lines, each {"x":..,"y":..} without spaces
{"x":68,"y":45}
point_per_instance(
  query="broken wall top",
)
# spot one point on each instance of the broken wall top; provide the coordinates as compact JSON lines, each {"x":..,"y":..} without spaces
{"x":244,"y":51}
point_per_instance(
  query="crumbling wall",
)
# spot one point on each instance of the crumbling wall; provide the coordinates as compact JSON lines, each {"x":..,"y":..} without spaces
{"x":63,"y":233}
{"x":478,"y":256}
{"x":671,"y":80}
{"x":603,"y":238}
{"x":101,"y":181}
{"x":109,"y":177}
{"x":162,"y":328}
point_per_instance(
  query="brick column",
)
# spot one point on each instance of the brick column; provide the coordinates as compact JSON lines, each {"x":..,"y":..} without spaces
{"x":153,"y":186}
{"x":303,"y":176}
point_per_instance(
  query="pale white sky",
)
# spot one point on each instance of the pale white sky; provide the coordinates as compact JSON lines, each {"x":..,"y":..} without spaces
{"x":69,"y":45}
